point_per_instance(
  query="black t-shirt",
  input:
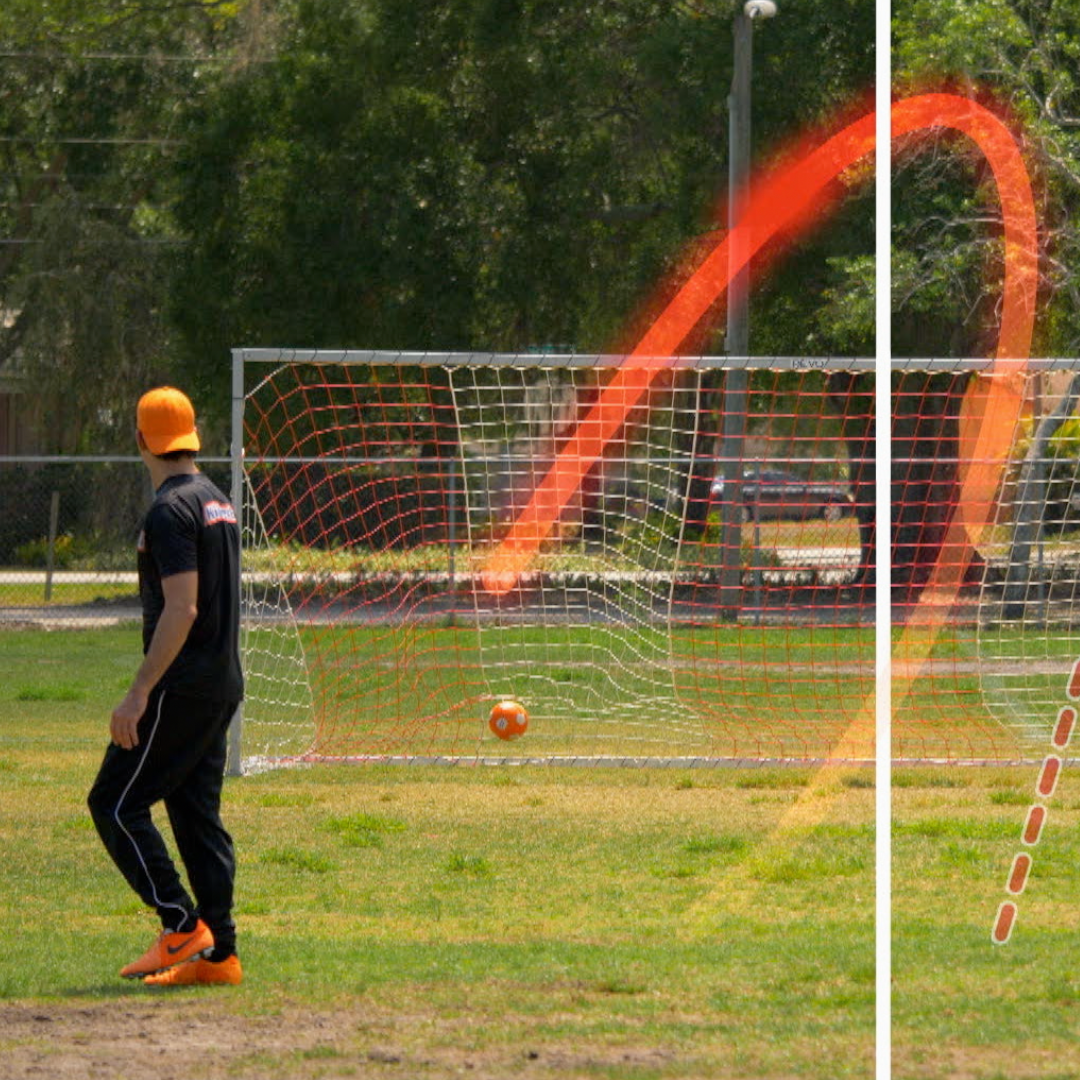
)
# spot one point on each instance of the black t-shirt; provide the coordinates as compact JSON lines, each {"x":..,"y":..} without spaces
{"x":192,"y":526}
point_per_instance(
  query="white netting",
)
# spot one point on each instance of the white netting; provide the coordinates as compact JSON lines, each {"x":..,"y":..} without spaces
{"x":686,"y":603}
{"x":702,"y":590}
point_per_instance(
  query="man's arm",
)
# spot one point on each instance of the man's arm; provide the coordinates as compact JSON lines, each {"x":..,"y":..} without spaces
{"x":181,"y":606}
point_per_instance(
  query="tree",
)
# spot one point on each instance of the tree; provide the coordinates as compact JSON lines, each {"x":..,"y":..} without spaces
{"x":947,"y":251}
{"x":88,"y":95}
{"x":1024,"y":54}
{"x":487,"y":174}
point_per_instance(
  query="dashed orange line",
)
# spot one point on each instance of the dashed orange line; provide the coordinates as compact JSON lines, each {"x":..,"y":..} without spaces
{"x":1049,"y":773}
{"x":1004,"y":922}
{"x":1033,"y":826}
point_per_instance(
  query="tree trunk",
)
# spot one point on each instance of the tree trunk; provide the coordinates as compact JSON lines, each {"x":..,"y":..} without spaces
{"x":925,"y":476}
{"x":852,"y":396}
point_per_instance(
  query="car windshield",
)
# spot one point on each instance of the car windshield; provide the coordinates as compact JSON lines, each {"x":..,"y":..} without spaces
{"x":758,"y":475}
{"x":771,"y":476}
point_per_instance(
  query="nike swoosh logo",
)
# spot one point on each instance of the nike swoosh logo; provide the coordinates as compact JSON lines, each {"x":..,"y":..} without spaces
{"x":172,"y":950}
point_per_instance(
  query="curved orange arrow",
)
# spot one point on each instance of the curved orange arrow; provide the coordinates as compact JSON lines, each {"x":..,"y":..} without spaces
{"x":791,"y":199}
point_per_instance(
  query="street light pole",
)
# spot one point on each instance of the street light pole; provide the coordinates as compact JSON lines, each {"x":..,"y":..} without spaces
{"x":738,"y":329}
{"x":737,"y":342}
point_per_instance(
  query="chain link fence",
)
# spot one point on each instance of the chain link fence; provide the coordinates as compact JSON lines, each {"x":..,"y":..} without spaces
{"x":68,"y":530}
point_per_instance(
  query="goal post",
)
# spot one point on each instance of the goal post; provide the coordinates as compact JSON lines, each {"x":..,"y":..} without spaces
{"x":379,"y":489}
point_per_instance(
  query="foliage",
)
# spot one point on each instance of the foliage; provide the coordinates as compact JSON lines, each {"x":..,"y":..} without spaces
{"x":65,"y":549}
{"x":88,"y":114}
{"x":475,"y":173}
{"x":479,"y":174}
{"x":948,"y":262}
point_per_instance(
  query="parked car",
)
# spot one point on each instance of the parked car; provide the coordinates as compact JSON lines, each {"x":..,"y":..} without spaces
{"x":770,"y":494}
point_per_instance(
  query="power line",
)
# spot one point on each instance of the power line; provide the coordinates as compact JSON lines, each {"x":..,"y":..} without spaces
{"x":25,"y":241}
{"x":49,"y":176}
{"x":86,"y":140}
{"x":85,"y":206}
{"x":191,"y":58}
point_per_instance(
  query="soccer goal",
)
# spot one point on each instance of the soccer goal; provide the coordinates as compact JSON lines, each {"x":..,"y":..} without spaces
{"x":985,"y":556}
{"x":672,"y":567}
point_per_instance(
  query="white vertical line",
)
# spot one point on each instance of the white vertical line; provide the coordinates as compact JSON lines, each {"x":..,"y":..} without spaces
{"x":148,"y":743}
{"x":235,"y":766}
{"x":883,"y":591}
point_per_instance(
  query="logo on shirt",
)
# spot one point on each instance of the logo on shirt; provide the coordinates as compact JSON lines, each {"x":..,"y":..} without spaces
{"x":218,"y":513}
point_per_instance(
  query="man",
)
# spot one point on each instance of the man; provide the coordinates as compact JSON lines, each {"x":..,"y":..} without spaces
{"x":169,"y":734}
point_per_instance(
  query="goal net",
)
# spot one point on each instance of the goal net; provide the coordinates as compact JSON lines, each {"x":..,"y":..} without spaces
{"x":985,"y":556}
{"x":679,"y":572}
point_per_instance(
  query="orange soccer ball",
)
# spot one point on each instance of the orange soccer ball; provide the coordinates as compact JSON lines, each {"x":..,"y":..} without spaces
{"x":508,"y":719}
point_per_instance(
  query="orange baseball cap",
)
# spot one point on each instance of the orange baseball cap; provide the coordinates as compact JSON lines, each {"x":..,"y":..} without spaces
{"x":166,"y":419}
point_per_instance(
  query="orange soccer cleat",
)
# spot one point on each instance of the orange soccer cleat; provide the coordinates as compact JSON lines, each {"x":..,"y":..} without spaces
{"x":170,"y":949}
{"x":200,"y":972}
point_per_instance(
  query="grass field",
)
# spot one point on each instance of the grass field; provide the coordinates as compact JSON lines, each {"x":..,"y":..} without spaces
{"x":532,"y":922}
{"x":646,"y":689}
{"x":603,"y":690}
{"x":67,"y":592}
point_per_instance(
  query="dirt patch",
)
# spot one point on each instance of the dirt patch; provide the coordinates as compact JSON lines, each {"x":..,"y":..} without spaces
{"x":180,"y":1037}
{"x":169,"y":1039}
{"x":1030,"y":1061}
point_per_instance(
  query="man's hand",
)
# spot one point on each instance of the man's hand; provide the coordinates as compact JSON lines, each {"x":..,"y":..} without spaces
{"x":125,"y":720}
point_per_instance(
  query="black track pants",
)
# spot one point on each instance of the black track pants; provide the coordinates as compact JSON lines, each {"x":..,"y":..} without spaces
{"x":180,"y":760}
